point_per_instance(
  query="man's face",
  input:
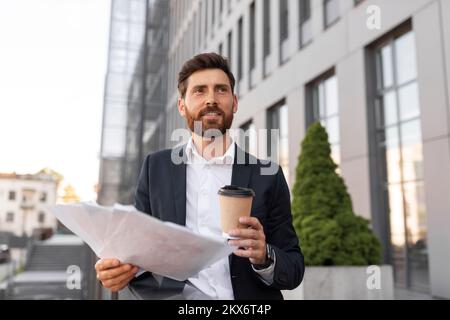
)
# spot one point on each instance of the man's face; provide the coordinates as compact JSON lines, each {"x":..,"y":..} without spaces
{"x":209,"y":101}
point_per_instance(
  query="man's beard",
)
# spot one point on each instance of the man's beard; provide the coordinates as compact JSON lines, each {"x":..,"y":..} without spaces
{"x":209,"y":127}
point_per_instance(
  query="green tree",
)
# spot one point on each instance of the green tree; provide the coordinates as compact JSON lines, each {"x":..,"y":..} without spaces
{"x":329,"y":231}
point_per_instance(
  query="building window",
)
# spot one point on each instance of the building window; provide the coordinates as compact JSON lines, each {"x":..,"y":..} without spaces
{"x":399,"y":157}
{"x":194,"y":33}
{"x":239,"y":44}
{"x":206,"y":18}
{"x":198,"y":20}
{"x":12,"y":195}
{"x":200,"y":24}
{"x":267,"y":67}
{"x":331,"y":12}
{"x":213,"y":14}
{"x":284,"y":20}
{"x":249,"y":139}
{"x":284,"y":30}
{"x":28,"y":196}
{"x":305,"y":33}
{"x":267,"y":28}
{"x":278,"y":149}
{"x":230,"y":48}
{"x":323,"y":106}
{"x":43,"y":197}
{"x":252,"y":44}
{"x":10,"y":217}
{"x":41,"y":217}
{"x":221,"y":48}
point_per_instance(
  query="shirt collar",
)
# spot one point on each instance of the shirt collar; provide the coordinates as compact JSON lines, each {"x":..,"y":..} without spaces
{"x":194,"y":157}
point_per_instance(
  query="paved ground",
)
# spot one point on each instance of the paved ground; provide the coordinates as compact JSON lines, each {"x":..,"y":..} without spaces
{"x":5,"y":269}
{"x":402,"y":294}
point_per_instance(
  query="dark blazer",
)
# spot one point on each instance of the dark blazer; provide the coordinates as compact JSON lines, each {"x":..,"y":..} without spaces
{"x":161,"y":192}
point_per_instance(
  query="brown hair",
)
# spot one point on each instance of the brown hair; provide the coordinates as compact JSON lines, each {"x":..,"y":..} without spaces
{"x":201,"y":62}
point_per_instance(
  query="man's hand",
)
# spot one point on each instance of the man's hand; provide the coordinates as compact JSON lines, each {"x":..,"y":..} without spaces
{"x":251,"y":239}
{"x":113,"y":274}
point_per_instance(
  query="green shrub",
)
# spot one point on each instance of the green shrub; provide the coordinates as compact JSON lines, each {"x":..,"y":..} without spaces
{"x":329,"y":231}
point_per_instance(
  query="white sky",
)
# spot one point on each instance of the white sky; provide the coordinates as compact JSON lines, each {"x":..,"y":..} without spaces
{"x":53,"y":57}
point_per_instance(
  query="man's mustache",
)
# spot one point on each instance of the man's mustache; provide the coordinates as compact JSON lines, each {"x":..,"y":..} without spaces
{"x":209,"y":109}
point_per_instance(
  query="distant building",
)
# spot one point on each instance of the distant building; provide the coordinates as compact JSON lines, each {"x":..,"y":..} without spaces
{"x":22,"y":204}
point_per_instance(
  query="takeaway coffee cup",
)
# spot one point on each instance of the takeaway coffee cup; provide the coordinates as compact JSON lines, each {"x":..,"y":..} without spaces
{"x":235,"y":202}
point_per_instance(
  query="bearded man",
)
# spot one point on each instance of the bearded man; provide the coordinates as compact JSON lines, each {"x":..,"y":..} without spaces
{"x":267,"y":258}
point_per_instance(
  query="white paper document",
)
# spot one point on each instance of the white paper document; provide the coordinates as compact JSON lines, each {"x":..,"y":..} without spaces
{"x":123,"y":233}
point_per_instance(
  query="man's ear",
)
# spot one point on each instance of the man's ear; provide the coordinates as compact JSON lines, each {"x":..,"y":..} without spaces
{"x":235,"y":103}
{"x":181,"y":107}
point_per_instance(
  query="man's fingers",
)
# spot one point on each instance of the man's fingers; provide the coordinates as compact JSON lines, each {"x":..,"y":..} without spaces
{"x":121,"y":278}
{"x":118,"y":280}
{"x":247,"y":253}
{"x":246,"y":234}
{"x":255,"y":230}
{"x":247,"y":243}
{"x":104,"y":264}
{"x":122,"y":284}
{"x":252,"y":222}
{"x":114,"y":272}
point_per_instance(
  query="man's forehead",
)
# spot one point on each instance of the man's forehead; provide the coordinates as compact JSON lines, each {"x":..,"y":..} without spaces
{"x":208,"y":77}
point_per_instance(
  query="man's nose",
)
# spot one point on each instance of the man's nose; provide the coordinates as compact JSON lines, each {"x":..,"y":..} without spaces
{"x":211,"y":98}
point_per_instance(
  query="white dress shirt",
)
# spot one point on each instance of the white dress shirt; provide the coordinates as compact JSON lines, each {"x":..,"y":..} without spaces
{"x":204,"y":178}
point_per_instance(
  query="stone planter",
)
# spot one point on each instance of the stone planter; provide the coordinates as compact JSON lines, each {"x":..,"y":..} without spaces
{"x":345,"y":283}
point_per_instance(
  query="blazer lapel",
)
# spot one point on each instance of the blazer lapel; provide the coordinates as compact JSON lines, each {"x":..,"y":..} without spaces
{"x":241,"y":169}
{"x":179,"y":187}
{"x":240,"y":178}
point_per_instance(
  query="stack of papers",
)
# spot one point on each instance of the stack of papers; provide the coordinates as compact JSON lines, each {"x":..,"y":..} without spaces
{"x":123,"y":233}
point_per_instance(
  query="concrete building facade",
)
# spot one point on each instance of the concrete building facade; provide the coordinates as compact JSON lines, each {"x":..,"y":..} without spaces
{"x":375,"y":73}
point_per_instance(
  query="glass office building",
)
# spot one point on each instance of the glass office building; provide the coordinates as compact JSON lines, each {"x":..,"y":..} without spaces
{"x":136,"y":86}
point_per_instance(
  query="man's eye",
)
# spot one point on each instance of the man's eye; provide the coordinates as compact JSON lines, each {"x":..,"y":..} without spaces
{"x":198,"y":90}
{"x":223,"y":90}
